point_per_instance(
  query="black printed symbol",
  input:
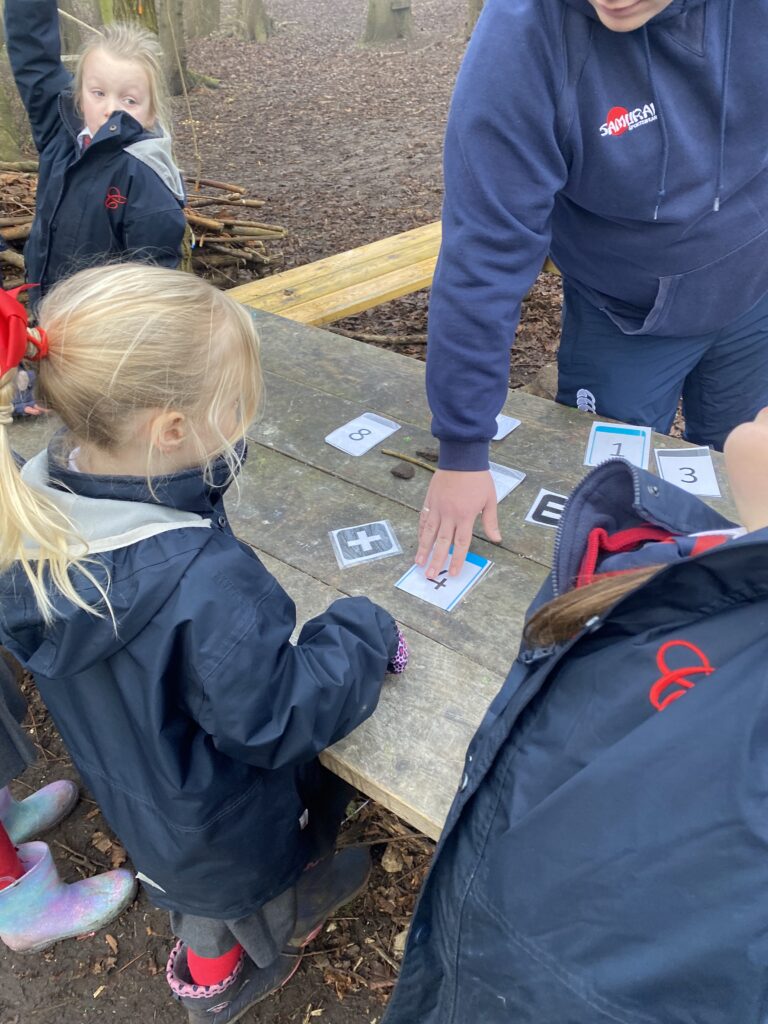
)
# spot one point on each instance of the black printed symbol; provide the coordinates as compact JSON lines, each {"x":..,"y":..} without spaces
{"x":358,"y":435}
{"x":617,"y":446}
{"x":441,"y":583}
{"x":548,"y":509}
{"x":691,"y":478}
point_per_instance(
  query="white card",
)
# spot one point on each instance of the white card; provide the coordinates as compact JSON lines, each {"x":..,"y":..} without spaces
{"x":364,"y":543}
{"x":505,"y":425}
{"x":362,"y":433}
{"x":616,"y":440}
{"x":446,"y":591}
{"x":505,"y":479}
{"x":547,"y":510}
{"x":689,"y":468}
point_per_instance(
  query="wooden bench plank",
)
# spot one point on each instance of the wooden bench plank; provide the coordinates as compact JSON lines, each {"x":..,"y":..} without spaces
{"x":357,"y":297}
{"x":366,"y":262}
{"x":409,"y":755}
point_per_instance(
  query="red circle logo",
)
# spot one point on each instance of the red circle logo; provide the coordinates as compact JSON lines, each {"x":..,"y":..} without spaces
{"x":614,"y":115}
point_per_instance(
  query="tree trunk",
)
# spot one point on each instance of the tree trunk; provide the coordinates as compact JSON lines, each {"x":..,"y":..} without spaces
{"x":202,"y":17}
{"x":473,"y":13}
{"x":70,"y":33}
{"x":388,"y":20}
{"x":253,"y":21}
{"x":14,"y":128}
{"x":144,"y":12}
{"x":170,"y":15}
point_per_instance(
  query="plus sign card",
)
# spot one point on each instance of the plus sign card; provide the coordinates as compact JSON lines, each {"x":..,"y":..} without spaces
{"x":446,"y":591}
{"x":365,"y":543}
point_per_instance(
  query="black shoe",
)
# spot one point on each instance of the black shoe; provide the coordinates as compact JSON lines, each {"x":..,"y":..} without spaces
{"x":230,"y":999}
{"x":322,"y":889}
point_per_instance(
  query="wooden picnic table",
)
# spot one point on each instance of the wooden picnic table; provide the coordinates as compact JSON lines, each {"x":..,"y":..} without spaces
{"x":295,"y":488}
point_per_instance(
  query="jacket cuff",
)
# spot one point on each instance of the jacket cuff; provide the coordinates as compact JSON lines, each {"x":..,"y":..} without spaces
{"x":464,"y":456}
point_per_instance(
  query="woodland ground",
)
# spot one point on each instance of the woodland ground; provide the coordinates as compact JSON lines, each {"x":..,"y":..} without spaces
{"x":344,"y":144}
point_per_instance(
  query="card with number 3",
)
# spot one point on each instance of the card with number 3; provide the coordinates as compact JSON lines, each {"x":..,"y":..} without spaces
{"x":689,"y":468}
{"x":362,"y":433}
{"x":617,"y":440}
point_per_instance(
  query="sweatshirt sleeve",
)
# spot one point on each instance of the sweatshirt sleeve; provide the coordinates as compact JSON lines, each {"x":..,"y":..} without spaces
{"x":34,"y":50}
{"x":271,"y":703}
{"x":503,"y":167}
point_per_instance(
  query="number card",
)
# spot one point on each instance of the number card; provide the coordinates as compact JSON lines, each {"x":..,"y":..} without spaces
{"x":364,"y":543}
{"x":547,"y":510}
{"x":689,"y":468}
{"x":505,"y":479}
{"x":446,"y":591}
{"x":362,"y":433}
{"x":505,"y":425}
{"x":613,"y":440}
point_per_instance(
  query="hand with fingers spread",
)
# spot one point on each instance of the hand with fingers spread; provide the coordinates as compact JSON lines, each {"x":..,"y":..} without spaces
{"x":453,"y":502}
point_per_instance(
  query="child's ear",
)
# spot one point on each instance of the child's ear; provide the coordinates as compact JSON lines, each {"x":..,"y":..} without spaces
{"x":168,"y":432}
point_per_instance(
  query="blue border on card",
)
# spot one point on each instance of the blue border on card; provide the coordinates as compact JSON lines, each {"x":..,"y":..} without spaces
{"x":645,"y":433}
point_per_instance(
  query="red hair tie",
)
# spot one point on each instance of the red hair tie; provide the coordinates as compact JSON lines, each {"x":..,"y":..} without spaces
{"x":15,"y":333}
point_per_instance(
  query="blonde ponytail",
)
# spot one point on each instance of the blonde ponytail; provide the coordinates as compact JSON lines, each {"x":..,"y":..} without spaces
{"x":34,"y":533}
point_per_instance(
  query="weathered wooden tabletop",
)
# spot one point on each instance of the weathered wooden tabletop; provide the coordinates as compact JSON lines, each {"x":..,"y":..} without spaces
{"x":296,"y":488}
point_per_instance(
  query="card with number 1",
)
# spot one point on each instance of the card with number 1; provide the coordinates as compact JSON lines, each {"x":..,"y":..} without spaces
{"x":617,"y":440}
{"x":362,"y":433}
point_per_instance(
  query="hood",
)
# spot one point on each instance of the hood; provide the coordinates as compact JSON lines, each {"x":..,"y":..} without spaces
{"x":156,"y":152}
{"x":676,"y":8}
{"x":139,"y":571}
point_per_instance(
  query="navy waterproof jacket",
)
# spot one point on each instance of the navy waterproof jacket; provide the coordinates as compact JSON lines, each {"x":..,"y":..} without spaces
{"x":120,"y":197}
{"x":606,"y":857}
{"x":195,"y":726}
{"x":638,"y":158}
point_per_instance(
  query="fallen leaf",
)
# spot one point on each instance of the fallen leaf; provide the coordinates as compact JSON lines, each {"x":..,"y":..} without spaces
{"x":112,"y":943}
{"x":391,"y":861}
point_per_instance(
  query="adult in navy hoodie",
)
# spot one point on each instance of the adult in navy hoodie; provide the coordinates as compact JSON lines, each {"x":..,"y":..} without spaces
{"x":629,"y":140}
{"x":120,"y":195}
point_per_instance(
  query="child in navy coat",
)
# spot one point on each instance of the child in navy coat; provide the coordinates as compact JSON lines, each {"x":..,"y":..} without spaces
{"x":605,"y":859}
{"x":162,"y":645}
{"x":108,"y":186}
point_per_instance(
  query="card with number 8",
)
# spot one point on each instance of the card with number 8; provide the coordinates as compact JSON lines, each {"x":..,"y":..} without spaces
{"x":362,"y":433}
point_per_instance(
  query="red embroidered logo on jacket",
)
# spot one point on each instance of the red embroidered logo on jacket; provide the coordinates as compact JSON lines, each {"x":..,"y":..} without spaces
{"x":114,"y":198}
{"x":676,"y":677}
{"x":620,"y":120}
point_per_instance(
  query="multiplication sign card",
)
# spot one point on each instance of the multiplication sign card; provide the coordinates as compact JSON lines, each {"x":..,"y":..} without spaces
{"x":362,"y":433}
{"x":614,"y":440}
{"x":689,"y":468}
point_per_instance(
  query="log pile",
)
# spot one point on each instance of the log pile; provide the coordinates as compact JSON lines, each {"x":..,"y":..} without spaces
{"x":228,"y":245}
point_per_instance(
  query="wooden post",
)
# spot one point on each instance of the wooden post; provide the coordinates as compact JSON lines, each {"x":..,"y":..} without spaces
{"x":388,"y":21}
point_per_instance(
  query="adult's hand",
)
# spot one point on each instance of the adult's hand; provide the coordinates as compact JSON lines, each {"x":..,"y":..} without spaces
{"x":453,"y":502}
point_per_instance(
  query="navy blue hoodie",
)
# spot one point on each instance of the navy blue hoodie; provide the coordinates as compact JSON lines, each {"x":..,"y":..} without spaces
{"x":639,"y":159}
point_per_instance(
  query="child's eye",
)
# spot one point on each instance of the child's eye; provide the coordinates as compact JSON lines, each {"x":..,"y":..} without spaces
{"x":130,"y":101}
{"x":97,"y":92}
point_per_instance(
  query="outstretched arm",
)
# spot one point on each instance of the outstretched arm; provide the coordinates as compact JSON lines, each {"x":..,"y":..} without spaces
{"x":34,"y":49}
{"x":503,"y":169}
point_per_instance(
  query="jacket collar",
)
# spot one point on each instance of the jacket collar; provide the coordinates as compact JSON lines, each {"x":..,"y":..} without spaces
{"x":187,"y":491}
{"x":120,"y":130}
{"x":617,"y":496}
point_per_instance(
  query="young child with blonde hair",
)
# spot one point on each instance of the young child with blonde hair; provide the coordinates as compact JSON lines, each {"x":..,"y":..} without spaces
{"x":162,"y":645}
{"x":108,"y":185}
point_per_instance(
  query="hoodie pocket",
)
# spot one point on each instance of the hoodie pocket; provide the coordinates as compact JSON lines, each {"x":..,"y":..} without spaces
{"x":708,"y":298}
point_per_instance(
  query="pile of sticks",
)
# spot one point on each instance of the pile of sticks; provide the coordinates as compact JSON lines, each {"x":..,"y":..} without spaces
{"x":228,"y":247}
